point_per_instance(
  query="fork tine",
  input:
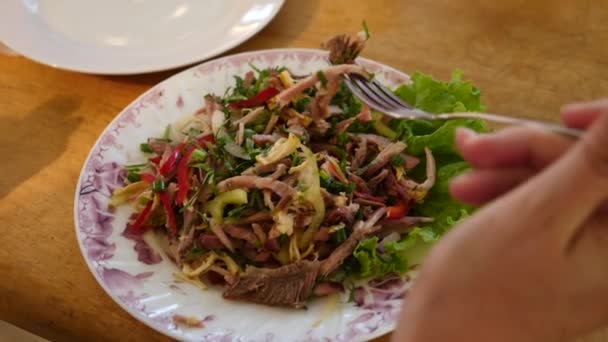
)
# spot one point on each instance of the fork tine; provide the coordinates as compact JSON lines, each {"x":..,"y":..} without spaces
{"x":363,"y":97}
{"x":390,"y":94}
{"x":366,"y":88}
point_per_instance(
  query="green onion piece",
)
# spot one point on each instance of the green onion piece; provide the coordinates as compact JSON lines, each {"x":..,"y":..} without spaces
{"x":396,"y":160}
{"x":133,"y":177}
{"x":366,"y":30}
{"x":322,"y":78}
{"x":158,"y":186}
{"x":145,"y":148}
{"x":340,"y":236}
{"x":198,"y":155}
{"x":167,"y":133}
{"x":323,"y":175}
{"x":342,"y":139}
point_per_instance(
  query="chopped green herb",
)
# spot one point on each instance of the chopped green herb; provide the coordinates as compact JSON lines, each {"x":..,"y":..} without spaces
{"x":252,"y":66}
{"x":198,"y":155}
{"x":324,"y":176}
{"x":133,"y":176}
{"x":295,"y":159}
{"x":236,"y":212}
{"x":342,"y":139}
{"x":334,"y":186}
{"x":167,"y":133}
{"x":397,"y":160}
{"x":257,"y":201}
{"x":135,"y":167}
{"x":343,"y":164}
{"x":339,"y":236}
{"x":322,"y":78}
{"x":194,"y":253}
{"x":301,"y":103}
{"x":158,"y":186}
{"x":145,"y":148}
{"x":366,"y":30}
{"x":283,"y":239}
{"x":192,"y":132}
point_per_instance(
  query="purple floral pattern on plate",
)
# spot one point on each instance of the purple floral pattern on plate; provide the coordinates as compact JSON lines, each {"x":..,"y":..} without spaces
{"x":133,"y":272}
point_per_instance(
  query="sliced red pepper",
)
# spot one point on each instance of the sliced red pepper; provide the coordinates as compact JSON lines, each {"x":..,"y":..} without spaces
{"x":183,"y":182}
{"x":155,"y":160}
{"x":398,"y":210}
{"x":207,"y":139}
{"x":164,"y":199}
{"x":171,"y":163}
{"x":147,"y":177}
{"x":136,"y":226}
{"x":256,"y":100}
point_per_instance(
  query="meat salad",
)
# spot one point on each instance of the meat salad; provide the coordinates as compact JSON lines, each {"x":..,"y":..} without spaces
{"x":269,"y":189}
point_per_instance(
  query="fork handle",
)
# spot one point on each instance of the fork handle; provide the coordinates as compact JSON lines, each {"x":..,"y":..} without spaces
{"x":569,"y":132}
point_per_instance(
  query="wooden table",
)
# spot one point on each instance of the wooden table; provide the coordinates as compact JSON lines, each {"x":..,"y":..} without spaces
{"x":528,"y":57}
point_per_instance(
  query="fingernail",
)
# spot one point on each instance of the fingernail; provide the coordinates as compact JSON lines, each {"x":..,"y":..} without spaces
{"x":464,"y":135}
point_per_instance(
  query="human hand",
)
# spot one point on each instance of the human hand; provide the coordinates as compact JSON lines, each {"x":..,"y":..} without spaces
{"x":533,"y":263}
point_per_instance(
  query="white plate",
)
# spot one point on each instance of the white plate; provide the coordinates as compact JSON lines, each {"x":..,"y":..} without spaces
{"x":129,"y":36}
{"x":147,"y":290}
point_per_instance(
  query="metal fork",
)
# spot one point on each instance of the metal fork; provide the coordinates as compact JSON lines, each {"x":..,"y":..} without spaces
{"x":379,"y":98}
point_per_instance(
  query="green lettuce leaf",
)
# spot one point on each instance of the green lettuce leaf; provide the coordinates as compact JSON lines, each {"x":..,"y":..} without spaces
{"x":372,"y":263}
{"x":433,"y":96}
{"x":428,"y":94}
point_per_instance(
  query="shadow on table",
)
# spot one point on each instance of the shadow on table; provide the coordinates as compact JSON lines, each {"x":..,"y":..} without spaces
{"x":294,"y":14}
{"x":41,"y":136}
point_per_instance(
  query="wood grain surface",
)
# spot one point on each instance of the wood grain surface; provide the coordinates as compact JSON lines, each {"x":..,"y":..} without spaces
{"x":528,"y":57}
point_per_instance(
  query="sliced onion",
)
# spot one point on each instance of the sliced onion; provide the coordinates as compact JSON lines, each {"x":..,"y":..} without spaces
{"x":217,"y":121}
{"x":392,"y":237}
{"x":236,"y":151}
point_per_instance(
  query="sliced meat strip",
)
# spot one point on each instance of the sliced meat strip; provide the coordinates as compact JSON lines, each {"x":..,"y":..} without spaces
{"x":216,"y":228}
{"x":342,"y":126}
{"x":360,"y":154}
{"x":240,"y":134}
{"x":259,"y":232}
{"x":289,"y":285}
{"x":264,"y":139}
{"x":259,"y":169}
{"x":210,"y":241}
{"x":322,"y":234}
{"x":250,"y":117}
{"x":241,"y":232}
{"x":271,"y":123}
{"x":377,"y":179}
{"x":261,"y":216}
{"x":328,"y":288}
{"x":289,"y":94}
{"x":281,"y":169}
{"x":360,"y":231}
{"x":253,"y":182}
{"x":344,"y":48}
{"x":382,"y":158}
{"x":359,"y":182}
{"x":375,"y":139}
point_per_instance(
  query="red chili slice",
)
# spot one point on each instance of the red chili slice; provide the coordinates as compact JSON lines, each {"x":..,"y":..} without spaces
{"x":256,"y":100}
{"x":171,"y":163}
{"x":164,"y":199}
{"x":135,"y":228}
{"x":183,"y":182}
{"x":397,"y":211}
{"x":146,"y":177}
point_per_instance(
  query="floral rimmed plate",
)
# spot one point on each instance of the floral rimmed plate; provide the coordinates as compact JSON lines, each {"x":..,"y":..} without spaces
{"x":139,"y":277}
